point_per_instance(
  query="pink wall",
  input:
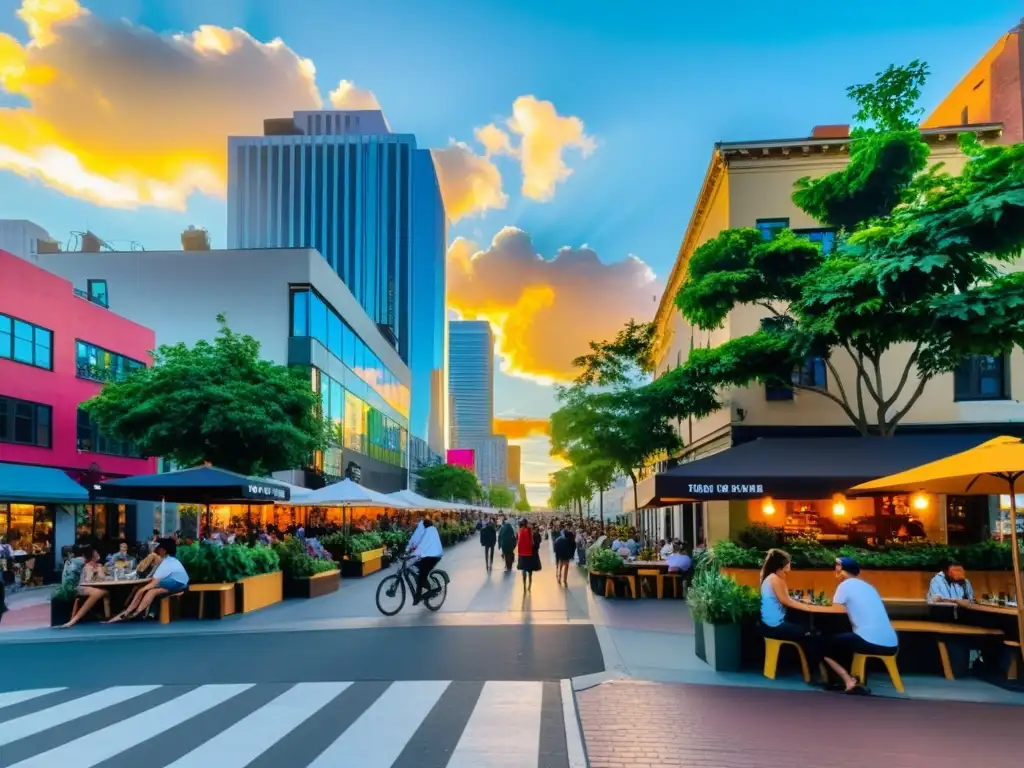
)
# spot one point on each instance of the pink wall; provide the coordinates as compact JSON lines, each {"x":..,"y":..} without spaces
{"x":462,"y":457}
{"x":30,"y":293}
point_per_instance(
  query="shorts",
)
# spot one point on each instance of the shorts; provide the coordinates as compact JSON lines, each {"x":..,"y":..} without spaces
{"x":172,"y":586}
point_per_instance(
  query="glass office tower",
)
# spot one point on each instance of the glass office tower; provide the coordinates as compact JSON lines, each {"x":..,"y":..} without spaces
{"x":471,"y":371}
{"x":368,"y":200}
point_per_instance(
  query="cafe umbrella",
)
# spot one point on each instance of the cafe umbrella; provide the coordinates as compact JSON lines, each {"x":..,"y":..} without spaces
{"x":994,"y":468}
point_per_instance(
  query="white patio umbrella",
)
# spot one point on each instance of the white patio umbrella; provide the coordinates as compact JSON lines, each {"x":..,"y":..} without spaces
{"x":347,"y":493}
{"x":416,"y":501}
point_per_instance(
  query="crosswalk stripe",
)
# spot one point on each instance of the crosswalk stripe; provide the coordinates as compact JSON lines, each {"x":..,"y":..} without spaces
{"x":377,"y":738}
{"x":37,"y":722}
{"x":504,"y":729}
{"x":94,"y":748}
{"x":251,"y":736}
{"x":17,"y":697}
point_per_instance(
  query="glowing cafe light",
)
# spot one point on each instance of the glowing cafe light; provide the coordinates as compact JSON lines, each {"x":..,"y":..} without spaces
{"x":839,"y":505}
{"x":920,"y":501}
{"x":767,"y":506}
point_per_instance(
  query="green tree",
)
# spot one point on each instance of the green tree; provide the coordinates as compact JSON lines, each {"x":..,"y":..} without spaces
{"x":600,"y":473}
{"x":917,"y":281}
{"x":500,"y":497}
{"x":569,"y":489}
{"x":448,"y":482}
{"x":217,"y":402}
{"x":522,"y":504}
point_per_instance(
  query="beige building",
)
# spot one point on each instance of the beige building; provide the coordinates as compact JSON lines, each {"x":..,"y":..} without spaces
{"x":750,"y":184}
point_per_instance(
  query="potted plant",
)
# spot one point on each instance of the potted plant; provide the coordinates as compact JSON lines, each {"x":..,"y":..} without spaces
{"x":304,"y":575}
{"x":62,"y":600}
{"x":602,"y":562}
{"x":718,"y":606}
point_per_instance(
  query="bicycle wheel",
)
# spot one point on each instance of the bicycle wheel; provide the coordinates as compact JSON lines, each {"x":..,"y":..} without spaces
{"x":391,"y":593}
{"x":438,"y":590}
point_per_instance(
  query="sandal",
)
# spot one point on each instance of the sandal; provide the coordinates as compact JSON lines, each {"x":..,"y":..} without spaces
{"x":857,"y":690}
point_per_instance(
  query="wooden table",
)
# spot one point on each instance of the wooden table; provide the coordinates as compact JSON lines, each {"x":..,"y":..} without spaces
{"x":941,"y":629}
{"x":1000,"y":610}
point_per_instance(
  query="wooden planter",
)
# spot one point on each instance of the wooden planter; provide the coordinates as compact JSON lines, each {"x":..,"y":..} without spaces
{"x":371,"y":554}
{"x":255,"y":592}
{"x":60,"y":612}
{"x":209,"y":601}
{"x":317,"y":585}
{"x":719,"y":645}
{"x":913,"y":584}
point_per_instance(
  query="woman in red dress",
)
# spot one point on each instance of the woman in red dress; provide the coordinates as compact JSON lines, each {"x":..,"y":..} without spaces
{"x":526,"y":551}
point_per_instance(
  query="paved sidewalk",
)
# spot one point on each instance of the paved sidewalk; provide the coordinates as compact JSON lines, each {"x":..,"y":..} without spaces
{"x":658,"y":725}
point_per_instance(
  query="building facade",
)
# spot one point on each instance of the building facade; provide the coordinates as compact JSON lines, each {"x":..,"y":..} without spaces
{"x":749,"y":184}
{"x":368,"y":200}
{"x":295,"y":305}
{"x":515,"y":465}
{"x":57,"y":349}
{"x":471,"y":379}
{"x":24,"y":239}
{"x":491,"y":460}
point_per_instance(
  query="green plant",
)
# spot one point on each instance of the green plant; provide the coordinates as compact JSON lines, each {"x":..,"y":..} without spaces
{"x":717,"y":599}
{"x":647,"y":554}
{"x":297,"y":563}
{"x":207,"y":563}
{"x":758,"y":536}
{"x":603,"y":560}
{"x":63,"y":593}
{"x":364,"y":542}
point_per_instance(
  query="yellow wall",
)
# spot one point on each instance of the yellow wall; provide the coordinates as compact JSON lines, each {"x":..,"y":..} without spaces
{"x":973,"y":93}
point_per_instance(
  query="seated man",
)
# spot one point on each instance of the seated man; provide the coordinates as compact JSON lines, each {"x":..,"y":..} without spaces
{"x":679,"y":561}
{"x":950,"y":585}
{"x":170,"y":578}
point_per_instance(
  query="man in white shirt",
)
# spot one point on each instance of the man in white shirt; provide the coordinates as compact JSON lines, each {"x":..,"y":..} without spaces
{"x":416,"y":536}
{"x":170,"y":578}
{"x":950,"y":585}
{"x":678,"y":561}
{"x":667,"y":548}
{"x":429,"y":551}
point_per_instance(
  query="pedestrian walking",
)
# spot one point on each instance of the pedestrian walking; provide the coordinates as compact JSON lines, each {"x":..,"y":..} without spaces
{"x":528,"y":548}
{"x":488,"y":538}
{"x":565,"y":548}
{"x":507,"y":543}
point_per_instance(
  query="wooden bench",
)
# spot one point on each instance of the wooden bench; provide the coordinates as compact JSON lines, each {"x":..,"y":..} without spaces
{"x":225,"y":594}
{"x":941,"y":628}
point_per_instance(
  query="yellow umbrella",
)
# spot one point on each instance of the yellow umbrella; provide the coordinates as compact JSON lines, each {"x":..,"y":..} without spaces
{"x":990,"y":469}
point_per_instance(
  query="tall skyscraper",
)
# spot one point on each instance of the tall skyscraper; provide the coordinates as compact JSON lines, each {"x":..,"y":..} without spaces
{"x":471,"y":379}
{"x":368,"y":200}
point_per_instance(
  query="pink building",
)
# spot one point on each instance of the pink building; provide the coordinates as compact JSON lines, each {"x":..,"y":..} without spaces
{"x":56,"y":350}
{"x":462,"y":457}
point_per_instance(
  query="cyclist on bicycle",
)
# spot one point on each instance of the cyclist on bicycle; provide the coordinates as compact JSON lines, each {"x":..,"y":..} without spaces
{"x":427,"y":548}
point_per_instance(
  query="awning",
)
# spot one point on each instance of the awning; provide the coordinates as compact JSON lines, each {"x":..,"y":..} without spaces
{"x":41,"y":485}
{"x":802,"y":467}
{"x":199,"y":485}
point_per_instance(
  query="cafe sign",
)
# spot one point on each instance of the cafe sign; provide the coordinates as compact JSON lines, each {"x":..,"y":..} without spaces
{"x":267,"y":492}
{"x":736,"y":489}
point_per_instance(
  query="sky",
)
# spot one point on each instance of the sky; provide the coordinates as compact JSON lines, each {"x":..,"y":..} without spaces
{"x":570,"y":138}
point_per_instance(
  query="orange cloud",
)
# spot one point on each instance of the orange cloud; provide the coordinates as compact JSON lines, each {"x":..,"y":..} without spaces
{"x":123,"y":116}
{"x":544,"y":312}
{"x":519,"y":428}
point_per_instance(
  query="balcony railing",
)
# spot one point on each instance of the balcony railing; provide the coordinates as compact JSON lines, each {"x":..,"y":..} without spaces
{"x":102,"y":375}
{"x":99,"y":302}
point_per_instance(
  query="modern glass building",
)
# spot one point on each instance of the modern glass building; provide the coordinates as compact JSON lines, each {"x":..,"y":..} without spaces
{"x":368,"y":200}
{"x":471,"y":379}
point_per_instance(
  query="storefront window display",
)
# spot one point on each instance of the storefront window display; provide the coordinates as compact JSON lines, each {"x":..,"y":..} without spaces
{"x":28,"y":527}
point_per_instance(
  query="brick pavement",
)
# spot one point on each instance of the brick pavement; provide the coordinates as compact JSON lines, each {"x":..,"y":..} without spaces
{"x":630,"y":724}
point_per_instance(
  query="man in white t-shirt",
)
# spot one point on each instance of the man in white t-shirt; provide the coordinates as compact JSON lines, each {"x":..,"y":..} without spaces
{"x":170,"y":578}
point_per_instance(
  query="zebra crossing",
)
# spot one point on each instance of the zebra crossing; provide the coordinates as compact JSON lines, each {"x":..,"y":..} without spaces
{"x":372,"y":724}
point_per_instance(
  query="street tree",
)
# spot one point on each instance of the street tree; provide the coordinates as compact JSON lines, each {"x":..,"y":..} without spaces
{"x":522,"y":505}
{"x":216,"y":402}
{"x":500,"y":497}
{"x":569,"y":489}
{"x":919,"y":279}
{"x":448,"y":482}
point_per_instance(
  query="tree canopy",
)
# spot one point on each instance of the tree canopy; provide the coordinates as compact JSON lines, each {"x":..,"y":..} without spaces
{"x":569,"y":489}
{"x":218,"y":402}
{"x":522,"y":504}
{"x":917,"y":281}
{"x":500,"y":497}
{"x":448,"y":482}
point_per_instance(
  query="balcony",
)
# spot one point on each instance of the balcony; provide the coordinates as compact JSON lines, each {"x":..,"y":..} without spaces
{"x":96,"y":373}
{"x":98,"y":300}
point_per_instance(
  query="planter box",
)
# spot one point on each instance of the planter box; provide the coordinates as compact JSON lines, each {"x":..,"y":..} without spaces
{"x":597,"y":583}
{"x":255,"y":592}
{"x":316,"y":585}
{"x":60,"y":612}
{"x":719,"y":645}
{"x":209,"y":601}
{"x":889,"y":583}
{"x":371,"y":554}
{"x":356,"y":569}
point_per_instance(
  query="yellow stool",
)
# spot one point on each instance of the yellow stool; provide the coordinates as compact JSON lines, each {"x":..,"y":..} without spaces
{"x":1014,"y":646}
{"x":657,"y":575}
{"x":678,"y":584}
{"x":858,"y":670}
{"x":771,"y":657}
{"x":609,"y":585}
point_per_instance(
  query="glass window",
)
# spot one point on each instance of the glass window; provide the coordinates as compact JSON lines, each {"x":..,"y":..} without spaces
{"x":981,"y":377}
{"x":98,"y":364}
{"x":23,"y":342}
{"x":97,"y":290}
{"x":337,"y":403}
{"x":826,"y":237}
{"x":355,"y":422}
{"x":360,"y":359}
{"x":771,"y":227}
{"x":300,"y":313}
{"x":334,"y":333}
{"x":348,"y":346}
{"x":325,"y":396}
{"x":44,"y":348}
{"x":317,"y":319}
{"x":6,"y":336}
{"x":25,"y":423}
{"x":812,"y":373}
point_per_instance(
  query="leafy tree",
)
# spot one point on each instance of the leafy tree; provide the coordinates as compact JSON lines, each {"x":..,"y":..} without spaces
{"x":600,"y":474}
{"x":522,"y":504}
{"x":448,"y":482}
{"x":917,"y":281}
{"x":217,"y":402}
{"x":500,"y":497}
{"x":621,"y":361}
{"x":569,"y":489}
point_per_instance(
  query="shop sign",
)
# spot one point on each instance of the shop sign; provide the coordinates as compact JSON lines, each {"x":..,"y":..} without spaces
{"x":738,"y":489}
{"x":267,"y":491}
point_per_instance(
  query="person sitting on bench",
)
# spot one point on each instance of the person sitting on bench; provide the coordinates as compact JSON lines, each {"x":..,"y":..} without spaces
{"x":169,"y":578}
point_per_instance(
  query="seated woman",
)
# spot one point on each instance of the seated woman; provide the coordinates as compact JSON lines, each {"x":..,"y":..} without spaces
{"x":91,"y":571}
{"x":121,"y":559}
{"x":170,"y":578}
{"x":775,"y":601}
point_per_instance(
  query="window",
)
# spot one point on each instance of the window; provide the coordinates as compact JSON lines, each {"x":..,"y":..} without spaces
{"x":26,"y":343}
{"x":91,"y":440}
{"x":771,"y":227}
{"x":98,"y":292}
{"x":981,"y":377}
{"x":826,"y":237}
{"x":98,"y":364}
{"x":300,"y":313}
{"x":25,"y":423}
{"x":812,"y":373}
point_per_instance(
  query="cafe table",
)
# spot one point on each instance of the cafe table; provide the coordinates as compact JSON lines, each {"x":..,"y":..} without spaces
{"x":120,"y":589}
{"x":636,"y":566}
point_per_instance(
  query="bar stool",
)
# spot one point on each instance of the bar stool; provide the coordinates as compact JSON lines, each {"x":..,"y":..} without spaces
{"x":859,"y":669}
{"x":612,"y":579}
{"x":1014,"y":646}
{"x":772,"y":647}
{"x":657,"y":575}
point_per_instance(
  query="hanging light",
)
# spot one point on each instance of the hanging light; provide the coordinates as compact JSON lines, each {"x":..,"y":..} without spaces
{"x":838,"y":505}
{"x":920,"y":501}
{"x":767,"y":506}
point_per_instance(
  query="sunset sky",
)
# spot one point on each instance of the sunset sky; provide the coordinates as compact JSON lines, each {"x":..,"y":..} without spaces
{"x":570,"y":138}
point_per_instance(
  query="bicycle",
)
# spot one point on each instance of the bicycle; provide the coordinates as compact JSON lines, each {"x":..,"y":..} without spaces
{"x":397,"y":584}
